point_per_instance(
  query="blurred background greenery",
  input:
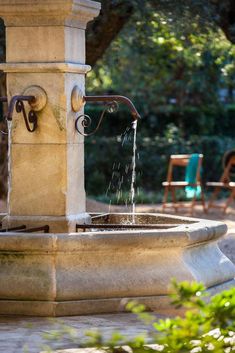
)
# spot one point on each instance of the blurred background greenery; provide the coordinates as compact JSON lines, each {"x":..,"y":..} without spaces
{"x":178,"y":68}
{"x":176,"y":62}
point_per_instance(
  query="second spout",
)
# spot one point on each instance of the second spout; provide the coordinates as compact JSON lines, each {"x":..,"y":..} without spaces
{"x":111,"y":106}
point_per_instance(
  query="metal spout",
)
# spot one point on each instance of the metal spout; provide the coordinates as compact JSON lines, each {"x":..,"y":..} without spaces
{"x":114,"y":98}
{"x":111,"y":106}
{"x":17,"y":102}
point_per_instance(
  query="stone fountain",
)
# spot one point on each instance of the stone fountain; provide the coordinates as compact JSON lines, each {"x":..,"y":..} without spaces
{"x":56,"y":259}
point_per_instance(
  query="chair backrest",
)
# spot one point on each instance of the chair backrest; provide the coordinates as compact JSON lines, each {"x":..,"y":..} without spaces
{"x":182,"y":160}
{"x":226,"y":177}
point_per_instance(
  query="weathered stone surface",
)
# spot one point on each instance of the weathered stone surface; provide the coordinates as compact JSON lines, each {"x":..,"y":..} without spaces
{"x":34,"y":195}
{"x":24,"y":43}
{"x":91,"y":272}
{"x":71,"y":13}
{"x":45,"y":47}
{"x":56,"y":121}
{"x":47,"y":188}
{"x":66,"y":273}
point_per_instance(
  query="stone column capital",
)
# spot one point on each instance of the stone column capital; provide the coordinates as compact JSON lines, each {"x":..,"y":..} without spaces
{"x":28,"y":13}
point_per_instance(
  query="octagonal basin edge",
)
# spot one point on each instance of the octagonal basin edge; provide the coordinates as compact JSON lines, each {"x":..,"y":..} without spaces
{"x":94,"y":271}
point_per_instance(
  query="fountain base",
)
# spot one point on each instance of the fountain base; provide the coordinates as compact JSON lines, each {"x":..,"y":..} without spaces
{"x":158,"y":303}
{"x":97,"y":271}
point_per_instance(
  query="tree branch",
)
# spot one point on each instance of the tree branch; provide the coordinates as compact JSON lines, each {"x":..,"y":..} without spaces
{"x":225,"y":18}
{"x":105,"y":27}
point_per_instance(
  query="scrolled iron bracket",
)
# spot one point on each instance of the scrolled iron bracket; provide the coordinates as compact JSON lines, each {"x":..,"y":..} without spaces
{"x":111,"y":106}
{"x":86,"y":121}
{"x":17,"y":102}
{"x":36,"y":97}
{"x":30,"y":118}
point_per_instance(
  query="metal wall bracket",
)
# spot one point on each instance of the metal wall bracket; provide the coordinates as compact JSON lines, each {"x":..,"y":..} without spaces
{"x":17,"y":103}
{"x":36,"y":98}
{"x":78,"y":100}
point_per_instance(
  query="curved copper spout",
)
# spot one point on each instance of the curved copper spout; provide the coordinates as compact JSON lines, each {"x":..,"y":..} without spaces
{"x":114,"y":98}
{"x":111,"y":106}
{"x":17,"y":103}
{"x":14,"y":100}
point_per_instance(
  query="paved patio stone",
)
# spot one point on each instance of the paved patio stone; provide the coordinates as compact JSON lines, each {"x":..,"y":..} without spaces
{"x":27,"y":335}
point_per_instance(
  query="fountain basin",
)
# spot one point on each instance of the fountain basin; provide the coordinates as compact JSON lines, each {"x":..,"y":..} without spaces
{"x":93,"y":271}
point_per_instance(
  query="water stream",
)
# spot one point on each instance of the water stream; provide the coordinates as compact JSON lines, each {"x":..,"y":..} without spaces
{"x":116,"y":184}
{"x":9,"y":126}
{"x":133,"y":177}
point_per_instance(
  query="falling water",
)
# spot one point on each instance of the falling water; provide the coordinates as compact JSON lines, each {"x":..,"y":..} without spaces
{"x":127,"y":136}
{"x":133,"y":177}
{"x":9,"y":126}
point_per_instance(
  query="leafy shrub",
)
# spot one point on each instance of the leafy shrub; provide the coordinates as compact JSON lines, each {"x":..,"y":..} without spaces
{"x":206,"y":326}
{"x":174,"y":70}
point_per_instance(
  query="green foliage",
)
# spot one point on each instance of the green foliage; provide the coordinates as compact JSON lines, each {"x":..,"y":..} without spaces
{"x":173,"y":62}
{"x":108,"y":163}
{"x":172,"y":75}
{"x":209,"y":326}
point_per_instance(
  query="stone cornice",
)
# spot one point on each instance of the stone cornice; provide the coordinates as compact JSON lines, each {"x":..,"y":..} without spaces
{"x":74,"y":13}
{"x":62,"y":67}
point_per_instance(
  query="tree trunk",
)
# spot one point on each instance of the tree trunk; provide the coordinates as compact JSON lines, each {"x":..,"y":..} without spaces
{"x":225,"y":17}
{"x":105,"y":27}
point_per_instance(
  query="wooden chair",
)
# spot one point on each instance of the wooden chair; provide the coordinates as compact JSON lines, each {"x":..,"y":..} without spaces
{"x":225,"y":182}
{"x":182,"y":160}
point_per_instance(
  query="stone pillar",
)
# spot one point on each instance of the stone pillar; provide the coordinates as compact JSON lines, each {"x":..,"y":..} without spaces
{"x":45,"y":46}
